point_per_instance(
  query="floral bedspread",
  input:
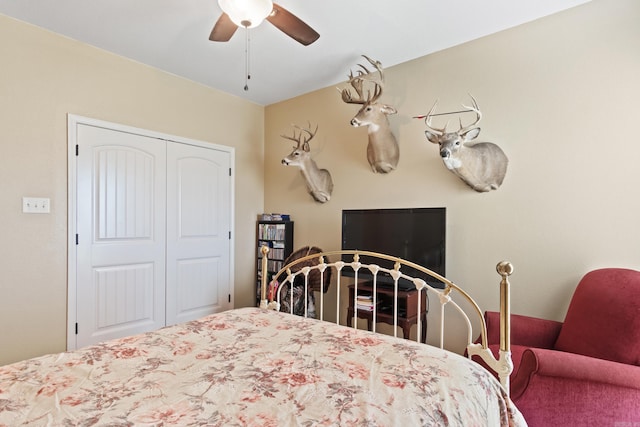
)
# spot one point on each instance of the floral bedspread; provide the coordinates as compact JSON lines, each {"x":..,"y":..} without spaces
{"x":251,"y":367}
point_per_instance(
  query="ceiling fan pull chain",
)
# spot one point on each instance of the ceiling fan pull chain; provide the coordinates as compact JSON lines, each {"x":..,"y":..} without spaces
{"x":246,"y":60}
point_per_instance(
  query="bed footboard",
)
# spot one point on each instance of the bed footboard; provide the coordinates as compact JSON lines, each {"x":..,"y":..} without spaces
{"x":380,"y":270}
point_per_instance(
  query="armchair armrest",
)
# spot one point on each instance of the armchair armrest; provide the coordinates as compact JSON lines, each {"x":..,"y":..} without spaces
{"x":553,"y":387}
{"x":570,"y":366}
{"x":525,"y":331}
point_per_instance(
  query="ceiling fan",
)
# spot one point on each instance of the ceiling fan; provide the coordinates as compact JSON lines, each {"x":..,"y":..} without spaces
{"x":251,"y":13}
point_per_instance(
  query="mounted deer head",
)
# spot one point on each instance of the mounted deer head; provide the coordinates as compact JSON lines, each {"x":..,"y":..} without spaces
{"x":482,"y":166}
{"x":319,"y":182}
{"x":383,"y":152}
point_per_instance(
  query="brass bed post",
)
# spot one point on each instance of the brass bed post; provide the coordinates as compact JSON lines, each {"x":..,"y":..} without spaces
{"x":501,"y":365}
{"x":264,"y":279}
{"x":505,"y":269}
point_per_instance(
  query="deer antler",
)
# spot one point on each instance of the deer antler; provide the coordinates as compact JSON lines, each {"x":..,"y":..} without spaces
{"x":299,"y":138}
{"x":427,"y":121}
{"x":357,"y":86}
{"x":476,"y":110}
{"x":364,"y":74}
{"x":427,"y":118}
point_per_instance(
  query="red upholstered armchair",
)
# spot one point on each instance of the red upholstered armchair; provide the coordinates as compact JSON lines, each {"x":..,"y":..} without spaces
{"x":584,"y":371}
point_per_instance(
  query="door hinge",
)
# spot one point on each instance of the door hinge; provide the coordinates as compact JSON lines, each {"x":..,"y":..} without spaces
{"x":77,"y":150}
{"x":76,"y":328}
{"x":229,"y":235}
{"x":229,"y":300}
{"x":229,"y":171}
{"x":77,"y":238}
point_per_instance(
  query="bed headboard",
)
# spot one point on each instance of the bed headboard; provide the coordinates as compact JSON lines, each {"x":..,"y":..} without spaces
{"x":379,"y":265}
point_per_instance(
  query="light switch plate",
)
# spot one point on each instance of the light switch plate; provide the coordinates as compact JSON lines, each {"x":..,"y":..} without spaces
{"x":36,"y":205}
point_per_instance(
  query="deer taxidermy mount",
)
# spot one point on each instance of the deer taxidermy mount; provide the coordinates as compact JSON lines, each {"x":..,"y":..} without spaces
{"x":319,"y":182}
{"x":383,"y":151}
{"x":251,"y":13}
{"x":482,"y":166}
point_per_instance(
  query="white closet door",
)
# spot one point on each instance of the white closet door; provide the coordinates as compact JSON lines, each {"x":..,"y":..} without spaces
{"x":198,"y":232}
{"x":121,"y":205}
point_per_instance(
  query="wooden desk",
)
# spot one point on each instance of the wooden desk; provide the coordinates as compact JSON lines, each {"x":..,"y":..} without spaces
{"x":407,"y":308}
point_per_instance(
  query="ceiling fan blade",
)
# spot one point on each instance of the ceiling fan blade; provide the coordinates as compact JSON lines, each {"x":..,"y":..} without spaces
{"x":223,"y":30}
{"x":292,"y":26}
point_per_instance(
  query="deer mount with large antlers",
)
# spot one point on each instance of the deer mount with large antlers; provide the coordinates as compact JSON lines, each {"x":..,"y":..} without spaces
{"x":319,"y":182}
{"x":383,"y":152}
{"x":482,"y":166}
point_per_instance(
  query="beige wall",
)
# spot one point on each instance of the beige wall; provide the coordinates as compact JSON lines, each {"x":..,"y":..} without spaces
{"x":44,"y":77}
{"x":560,"y":95}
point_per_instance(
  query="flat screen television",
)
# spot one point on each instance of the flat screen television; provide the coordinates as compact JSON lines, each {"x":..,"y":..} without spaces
{"x":413,"y":234}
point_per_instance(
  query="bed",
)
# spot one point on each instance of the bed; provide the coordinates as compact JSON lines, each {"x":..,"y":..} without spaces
{"x":263,"y":367}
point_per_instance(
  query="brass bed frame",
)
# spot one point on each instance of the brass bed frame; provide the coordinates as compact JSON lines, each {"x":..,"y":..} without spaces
{"x":319,"y":262}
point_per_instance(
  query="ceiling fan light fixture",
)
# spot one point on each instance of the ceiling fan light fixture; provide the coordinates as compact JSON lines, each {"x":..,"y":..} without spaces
{"x":246,"y":13}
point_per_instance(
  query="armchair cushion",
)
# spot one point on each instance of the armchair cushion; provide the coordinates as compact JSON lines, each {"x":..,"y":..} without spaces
{"x":601,"y":324}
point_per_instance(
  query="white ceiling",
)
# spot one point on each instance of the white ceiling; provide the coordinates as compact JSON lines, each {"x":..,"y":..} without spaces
{"x":173,"y":35}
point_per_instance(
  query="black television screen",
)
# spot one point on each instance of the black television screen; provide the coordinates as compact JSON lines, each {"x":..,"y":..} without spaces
{"x":413,"y":234}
